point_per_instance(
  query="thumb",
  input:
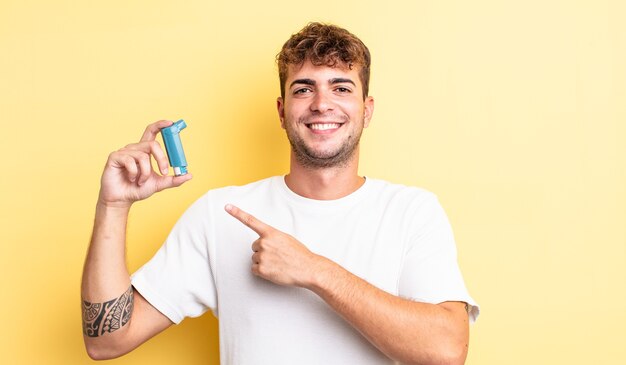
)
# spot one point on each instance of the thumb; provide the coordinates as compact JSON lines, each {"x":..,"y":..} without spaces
{"x":167,"y":182}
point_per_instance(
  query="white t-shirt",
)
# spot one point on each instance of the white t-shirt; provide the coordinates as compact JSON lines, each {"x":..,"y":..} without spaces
{"x":395,"y":237}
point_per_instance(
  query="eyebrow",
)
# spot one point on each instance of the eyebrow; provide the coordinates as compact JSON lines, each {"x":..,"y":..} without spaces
{"x":303,"y":81}
{"x":340,"y":80}
{"x":337,"y":80}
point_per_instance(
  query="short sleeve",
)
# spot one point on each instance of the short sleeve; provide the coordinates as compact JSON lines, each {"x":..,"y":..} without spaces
{"x":430,"y":272}
{"x":179,"y":280}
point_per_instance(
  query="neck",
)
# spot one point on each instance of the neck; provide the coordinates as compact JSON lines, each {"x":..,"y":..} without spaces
{"x":324,"y":183}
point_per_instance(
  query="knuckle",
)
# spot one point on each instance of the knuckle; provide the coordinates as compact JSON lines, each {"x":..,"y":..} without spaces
{"x":141,"y":162}
{"x":247,"y":219}
{"x":156,"y":126}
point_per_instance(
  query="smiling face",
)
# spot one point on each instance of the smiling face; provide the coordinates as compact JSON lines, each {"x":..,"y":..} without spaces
{"x":324,"y":113}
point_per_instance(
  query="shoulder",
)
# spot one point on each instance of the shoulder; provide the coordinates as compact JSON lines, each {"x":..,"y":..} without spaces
{"x":256,"y":187}
{"x":211,"y":204}
{"x":413,"y":205}
{"x":233,"y":193}
{"x":402,"y":194}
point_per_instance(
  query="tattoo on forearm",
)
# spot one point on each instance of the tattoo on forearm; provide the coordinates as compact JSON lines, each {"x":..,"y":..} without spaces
{"x":99,"y":318}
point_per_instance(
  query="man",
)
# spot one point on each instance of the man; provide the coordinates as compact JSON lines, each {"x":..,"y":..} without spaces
{"x":320,"y":266}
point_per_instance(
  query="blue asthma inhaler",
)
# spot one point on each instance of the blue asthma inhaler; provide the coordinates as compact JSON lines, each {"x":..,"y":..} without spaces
{"x":174,"y":147}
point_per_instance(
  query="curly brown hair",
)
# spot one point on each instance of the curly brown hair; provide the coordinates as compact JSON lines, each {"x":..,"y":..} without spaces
{"x":324,"y":44}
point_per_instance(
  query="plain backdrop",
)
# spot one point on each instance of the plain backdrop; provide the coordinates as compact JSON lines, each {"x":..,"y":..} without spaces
{"x":513,"y":113}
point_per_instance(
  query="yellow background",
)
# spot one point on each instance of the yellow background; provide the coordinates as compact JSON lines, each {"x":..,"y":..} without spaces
{"x":512,"y":112}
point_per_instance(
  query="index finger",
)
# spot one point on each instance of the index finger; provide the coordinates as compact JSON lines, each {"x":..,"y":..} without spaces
{"x":153,"y":129}
{"x":248,"y":219}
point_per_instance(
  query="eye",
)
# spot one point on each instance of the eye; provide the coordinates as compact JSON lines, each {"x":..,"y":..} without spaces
{"x":342,"y":89}
{"x":302,"y":90}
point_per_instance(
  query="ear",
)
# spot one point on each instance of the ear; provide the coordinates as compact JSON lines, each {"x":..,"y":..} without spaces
{"x":280,"y":106}
{"x":368,"y":111}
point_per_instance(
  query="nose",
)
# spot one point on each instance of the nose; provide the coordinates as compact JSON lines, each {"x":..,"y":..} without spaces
{"x":321,"y":102}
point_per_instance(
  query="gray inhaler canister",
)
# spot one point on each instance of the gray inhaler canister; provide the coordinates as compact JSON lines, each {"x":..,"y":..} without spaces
{"x":174,"y":147}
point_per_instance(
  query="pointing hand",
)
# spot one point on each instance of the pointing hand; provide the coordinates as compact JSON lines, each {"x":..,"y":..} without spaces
{"x":278,"y":257}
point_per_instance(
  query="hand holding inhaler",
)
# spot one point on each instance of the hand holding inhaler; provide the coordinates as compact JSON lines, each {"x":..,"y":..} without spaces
{"x":128,"y":175}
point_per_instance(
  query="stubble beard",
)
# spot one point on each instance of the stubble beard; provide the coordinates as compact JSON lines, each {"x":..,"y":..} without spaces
{"x":312,"y":159}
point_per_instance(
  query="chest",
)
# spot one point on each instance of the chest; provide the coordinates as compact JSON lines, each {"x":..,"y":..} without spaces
{"x":370,"y":244}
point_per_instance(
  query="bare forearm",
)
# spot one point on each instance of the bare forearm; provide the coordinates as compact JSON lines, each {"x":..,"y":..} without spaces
{"x":105,"y":275}
{"x":407,"y":331}
{"x":107,"y":297}
{"x":115,"y":318}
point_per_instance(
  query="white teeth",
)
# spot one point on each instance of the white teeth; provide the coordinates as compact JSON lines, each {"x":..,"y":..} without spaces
{"x":324,"y":126}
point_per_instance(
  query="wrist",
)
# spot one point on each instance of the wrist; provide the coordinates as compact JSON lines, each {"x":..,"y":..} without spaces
{"x":322,"y":273}
{"x":114,"y":204}
{"x":112,"y":207}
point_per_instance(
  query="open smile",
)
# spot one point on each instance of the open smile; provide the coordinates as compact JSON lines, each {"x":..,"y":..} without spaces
{"x":323,"y":126}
